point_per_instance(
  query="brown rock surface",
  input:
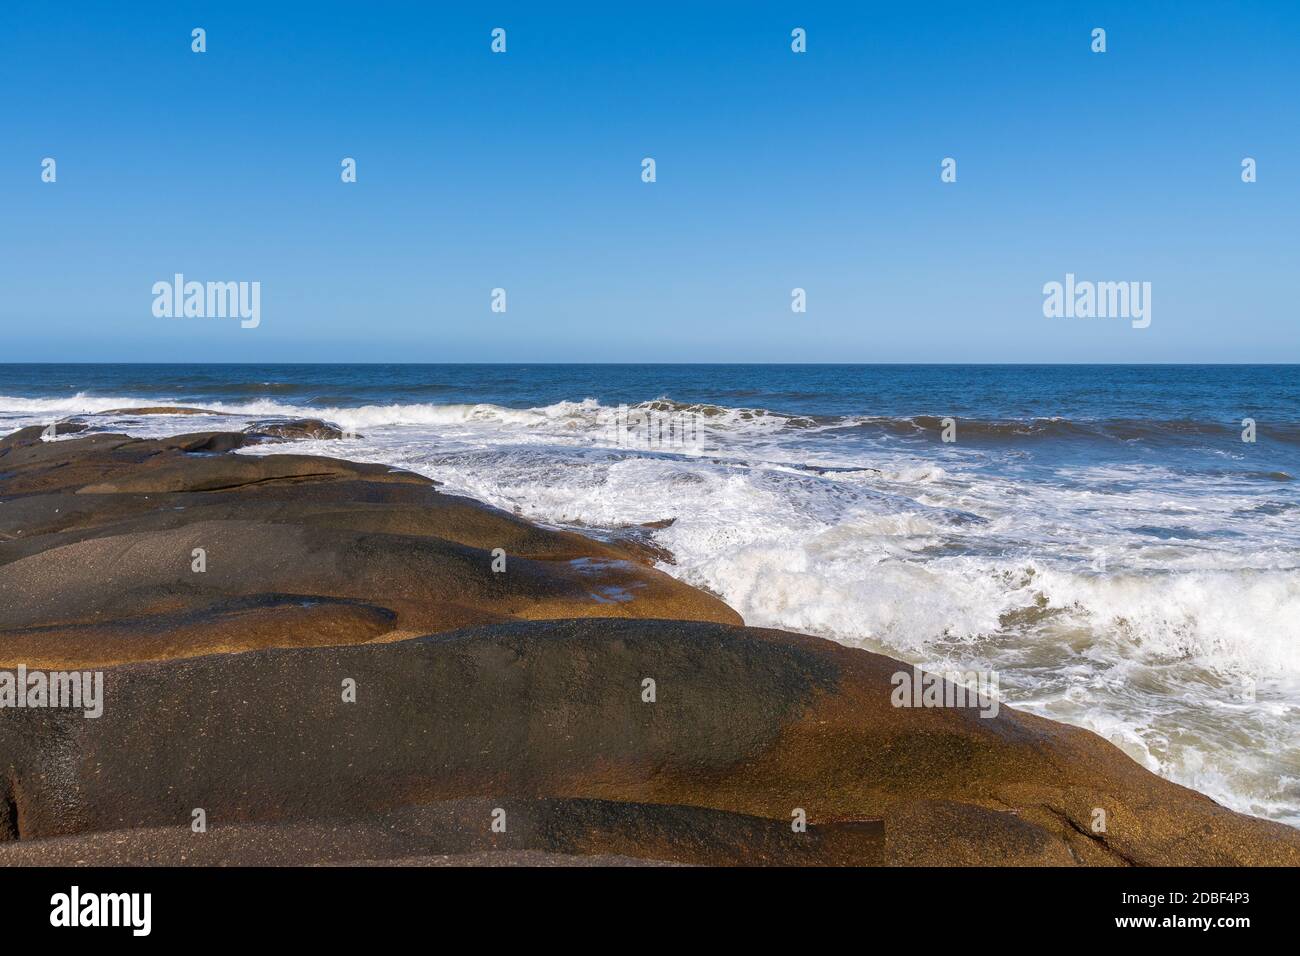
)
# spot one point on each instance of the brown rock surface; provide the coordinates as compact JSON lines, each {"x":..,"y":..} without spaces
{"x":546,"y":720}
{"x":158,"y":410}
{"x":298,"y":429}
{"x":97,"y":537}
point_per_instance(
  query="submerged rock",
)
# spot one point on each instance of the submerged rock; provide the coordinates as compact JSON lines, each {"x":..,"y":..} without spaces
{"x":296,"y":430}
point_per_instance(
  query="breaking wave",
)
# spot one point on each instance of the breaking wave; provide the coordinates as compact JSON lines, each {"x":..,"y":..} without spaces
{"x":590,"y":414}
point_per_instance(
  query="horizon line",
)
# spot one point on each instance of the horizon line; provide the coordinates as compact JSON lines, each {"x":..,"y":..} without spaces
{"x":704,"y":364}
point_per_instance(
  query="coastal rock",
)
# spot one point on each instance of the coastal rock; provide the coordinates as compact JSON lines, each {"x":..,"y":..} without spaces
{"x":547,"y":722}
{"x":32,"y":434}
{"x":99,"y":538}
{"x":159,"y":410}
{"x":522,"y":690}
{"x":296,"y":430}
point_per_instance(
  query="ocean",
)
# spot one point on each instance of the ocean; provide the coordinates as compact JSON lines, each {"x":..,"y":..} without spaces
{"x":1100,"y":537}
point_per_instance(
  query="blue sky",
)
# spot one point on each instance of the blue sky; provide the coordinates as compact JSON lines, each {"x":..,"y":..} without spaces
{"x":775,"y":170}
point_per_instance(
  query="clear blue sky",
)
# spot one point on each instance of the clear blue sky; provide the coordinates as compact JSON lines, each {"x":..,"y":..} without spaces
{"x":775,"y":170}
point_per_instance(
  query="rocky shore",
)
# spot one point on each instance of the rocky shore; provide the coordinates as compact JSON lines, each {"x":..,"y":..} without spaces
{"x":331,"y":662}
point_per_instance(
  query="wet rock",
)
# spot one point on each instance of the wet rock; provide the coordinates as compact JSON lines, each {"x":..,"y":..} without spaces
{"x":296,"y":430}
{"x":522,"y":689}
{"x":99,"y":539}
{"x":547,"y":722}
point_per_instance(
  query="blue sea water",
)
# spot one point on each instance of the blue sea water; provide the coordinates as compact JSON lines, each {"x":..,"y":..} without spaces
{"x":1211,"y":393}
{"x":1100,"y":536}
